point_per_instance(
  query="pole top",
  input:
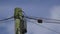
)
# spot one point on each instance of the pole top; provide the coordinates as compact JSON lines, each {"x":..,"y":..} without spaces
{"x":17,"y":12}
{"x":18,"y":9}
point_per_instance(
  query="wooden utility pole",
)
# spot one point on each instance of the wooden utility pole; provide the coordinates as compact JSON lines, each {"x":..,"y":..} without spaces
{"x":20,"y":24}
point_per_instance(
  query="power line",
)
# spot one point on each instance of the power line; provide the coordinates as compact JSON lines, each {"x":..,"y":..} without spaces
{"x":6,"y":19}
{"x":46,"y":21}
{"x":53,"y":22}
{"x":31,"y":17}
{"x":44,"y":27}
{"x":36,"y":18}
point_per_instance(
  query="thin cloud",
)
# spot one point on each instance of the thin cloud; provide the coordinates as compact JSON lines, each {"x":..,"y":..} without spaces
{"x":55,"y":14}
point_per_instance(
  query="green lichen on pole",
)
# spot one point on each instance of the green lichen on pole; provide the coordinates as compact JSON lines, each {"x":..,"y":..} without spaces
{"x":18,"y":17}
{"x":18,"y":12}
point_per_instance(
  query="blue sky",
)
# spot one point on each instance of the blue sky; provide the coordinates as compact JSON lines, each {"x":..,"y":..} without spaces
{"x":39,"y":8}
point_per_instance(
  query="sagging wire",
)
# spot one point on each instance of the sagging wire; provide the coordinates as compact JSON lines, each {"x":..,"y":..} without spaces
{"x":44,"y":26}
{"x":7,"y":18}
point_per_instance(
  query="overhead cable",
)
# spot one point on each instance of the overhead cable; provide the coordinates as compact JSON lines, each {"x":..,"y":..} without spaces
{"x":6,"y":18}
{"x":6,"y":21}
{"x":36,"y":18}
{"x":44,"y":27}
{"x":52,"y":22}
{"x":44,"y":20}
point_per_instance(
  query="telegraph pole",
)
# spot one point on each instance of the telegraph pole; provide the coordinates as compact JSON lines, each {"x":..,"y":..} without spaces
{"x":20,"y":24}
